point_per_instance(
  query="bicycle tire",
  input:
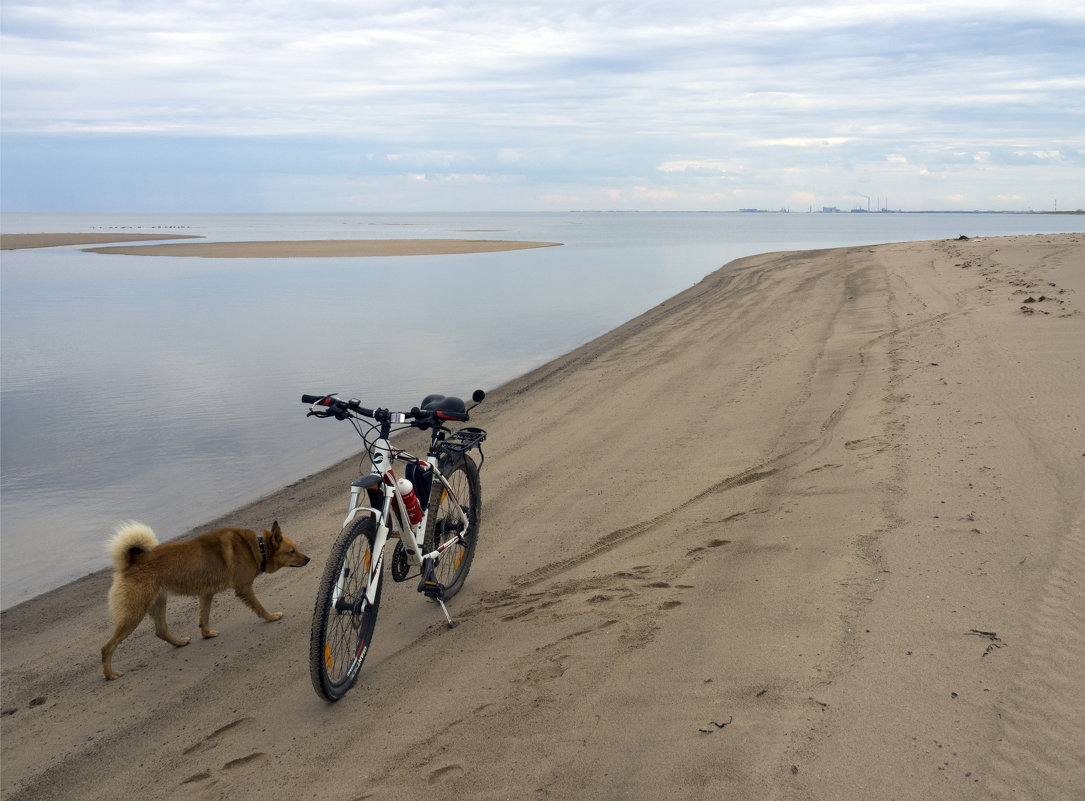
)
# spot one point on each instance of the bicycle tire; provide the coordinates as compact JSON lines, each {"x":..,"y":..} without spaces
{"x":453,"y":565}
{"x":342,"y":629}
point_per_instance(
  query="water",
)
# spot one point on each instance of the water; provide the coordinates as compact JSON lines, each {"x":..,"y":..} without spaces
{"x":167,"y":389}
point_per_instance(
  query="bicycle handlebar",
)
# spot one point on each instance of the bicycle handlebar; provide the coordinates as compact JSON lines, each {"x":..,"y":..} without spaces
{"x":336,"y":407}
{"x":341,"y":409}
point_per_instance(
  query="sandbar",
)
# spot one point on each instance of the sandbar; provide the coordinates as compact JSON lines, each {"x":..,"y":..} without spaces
{"x":290,"y":249}
{"x":24,"y":241}
{"x":323,"y":248}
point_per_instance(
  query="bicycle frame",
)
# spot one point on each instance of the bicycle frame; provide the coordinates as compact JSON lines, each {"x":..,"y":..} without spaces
{"x":437,"y":550}
{"x":383,"y":455}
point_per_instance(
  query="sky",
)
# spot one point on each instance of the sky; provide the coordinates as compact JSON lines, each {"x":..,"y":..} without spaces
{"x":499,"y":105}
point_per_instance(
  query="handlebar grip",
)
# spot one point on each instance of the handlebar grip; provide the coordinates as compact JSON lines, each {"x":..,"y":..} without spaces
{"x":311,"y":398}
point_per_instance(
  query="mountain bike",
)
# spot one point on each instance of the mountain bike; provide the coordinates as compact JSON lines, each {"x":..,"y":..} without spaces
{"x":432,"y":512}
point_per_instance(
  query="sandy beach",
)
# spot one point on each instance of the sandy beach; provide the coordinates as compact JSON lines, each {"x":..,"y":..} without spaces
{"x":812,"y":529}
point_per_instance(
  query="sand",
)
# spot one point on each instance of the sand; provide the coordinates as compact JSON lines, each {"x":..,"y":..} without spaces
{"x":320,"y":248}
{"x":812,"y":529}
{"x":49,"y":240}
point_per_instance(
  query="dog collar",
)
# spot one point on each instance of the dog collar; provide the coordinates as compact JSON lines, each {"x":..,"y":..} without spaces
{"x":263,"y":553}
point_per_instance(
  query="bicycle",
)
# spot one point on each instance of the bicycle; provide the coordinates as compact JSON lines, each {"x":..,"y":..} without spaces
{"x":437,"y":531}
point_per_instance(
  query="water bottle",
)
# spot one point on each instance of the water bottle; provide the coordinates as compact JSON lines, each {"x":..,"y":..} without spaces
{"x":410,"y":500}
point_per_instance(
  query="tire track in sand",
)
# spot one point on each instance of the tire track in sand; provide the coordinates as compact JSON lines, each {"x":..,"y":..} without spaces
{"x":1043,"y":731}
{"x":794,"y":456}
{"x":615,"y":538}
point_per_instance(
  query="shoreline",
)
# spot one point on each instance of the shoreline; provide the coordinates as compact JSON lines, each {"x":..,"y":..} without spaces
{"x":318,"y":248}
{"x":827,"y":510}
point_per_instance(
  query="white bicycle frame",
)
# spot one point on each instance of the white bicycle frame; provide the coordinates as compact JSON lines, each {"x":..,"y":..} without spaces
{"x":383,"y":455}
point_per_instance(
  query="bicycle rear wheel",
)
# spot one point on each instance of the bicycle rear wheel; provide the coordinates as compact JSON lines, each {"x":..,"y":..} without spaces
{"x":342,"y":620}
{"x":444,"y":520}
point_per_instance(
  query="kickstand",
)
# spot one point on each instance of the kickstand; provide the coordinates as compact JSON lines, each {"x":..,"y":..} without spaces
{"x":431,"y":588}
{"x":448,"y":617}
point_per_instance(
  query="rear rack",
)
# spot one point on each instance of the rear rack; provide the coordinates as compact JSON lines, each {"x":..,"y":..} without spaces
{"x":460,"y":442}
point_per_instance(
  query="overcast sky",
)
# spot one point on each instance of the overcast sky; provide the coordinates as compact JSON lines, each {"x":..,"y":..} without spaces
{"x":402,"y":105}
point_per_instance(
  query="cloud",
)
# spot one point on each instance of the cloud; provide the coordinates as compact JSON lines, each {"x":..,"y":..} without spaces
{"x":644,"y":193}
{"x":828,"y":141}
{"x":693,"y":166}
{"x":640,"y":193}
{"x":568,"y":96}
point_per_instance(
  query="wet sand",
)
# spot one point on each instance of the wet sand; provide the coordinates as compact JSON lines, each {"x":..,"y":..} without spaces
{"x":812,"y":529}
{"x":317,"y":248}
{"x":25,"y":241}
{"x":324,"y":248}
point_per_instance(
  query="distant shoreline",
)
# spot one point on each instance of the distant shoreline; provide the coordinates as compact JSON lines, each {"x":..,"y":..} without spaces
{"x":1075,"y":212}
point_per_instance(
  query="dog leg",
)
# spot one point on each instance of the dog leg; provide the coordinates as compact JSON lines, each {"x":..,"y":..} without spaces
{"x":124,"y":628}
{"x":158,"y":615}
{"x":247,"y":595}
{"x":205,"y":616}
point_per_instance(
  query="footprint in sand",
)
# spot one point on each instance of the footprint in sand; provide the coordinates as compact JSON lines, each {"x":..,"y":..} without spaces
{"x":245,"y":760}
{"x":217,"y":733}
{"x":711,"y":544}
{"x":233,"y":764}
{"x":446,"y":773}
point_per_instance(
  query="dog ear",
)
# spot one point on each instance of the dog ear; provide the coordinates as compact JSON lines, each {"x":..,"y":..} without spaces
{"x":276,"y":534}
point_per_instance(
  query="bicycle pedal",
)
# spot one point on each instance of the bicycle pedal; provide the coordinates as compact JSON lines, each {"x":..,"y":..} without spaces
{"x":429,"y":585}
{"x":433,"y":589}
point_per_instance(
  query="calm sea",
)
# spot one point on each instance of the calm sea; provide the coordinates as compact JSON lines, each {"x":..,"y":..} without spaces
{"x":167,"y":389}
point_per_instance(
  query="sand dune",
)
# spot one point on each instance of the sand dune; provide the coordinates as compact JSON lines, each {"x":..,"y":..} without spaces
{"x":812,"y":529}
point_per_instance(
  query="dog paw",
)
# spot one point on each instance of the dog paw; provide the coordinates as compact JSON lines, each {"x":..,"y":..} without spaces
{"x":273,"y":616}
{"x":114,"y":675}
{"x":209,"y":633}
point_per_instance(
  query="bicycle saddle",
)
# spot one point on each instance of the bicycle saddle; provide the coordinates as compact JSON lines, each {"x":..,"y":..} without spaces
{"x":440,"y":403}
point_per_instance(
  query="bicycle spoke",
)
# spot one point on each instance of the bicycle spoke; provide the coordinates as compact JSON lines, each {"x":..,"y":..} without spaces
{"x":342,"y":620}
{"x":447,"y":528}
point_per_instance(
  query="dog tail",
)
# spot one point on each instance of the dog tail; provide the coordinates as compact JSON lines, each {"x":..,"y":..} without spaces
{"x":130,"y":540}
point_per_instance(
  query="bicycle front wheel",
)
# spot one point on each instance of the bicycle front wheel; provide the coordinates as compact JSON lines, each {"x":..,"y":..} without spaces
{"x":445,"y":521}
{"x":342,"y":620}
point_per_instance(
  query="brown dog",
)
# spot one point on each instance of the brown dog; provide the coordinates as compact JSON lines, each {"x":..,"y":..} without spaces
{"x":144,"y":572}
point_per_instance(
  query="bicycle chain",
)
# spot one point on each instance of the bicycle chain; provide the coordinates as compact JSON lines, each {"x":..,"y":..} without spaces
{"x":400,"y":565}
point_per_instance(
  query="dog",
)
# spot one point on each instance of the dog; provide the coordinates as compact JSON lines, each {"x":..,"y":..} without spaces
{"x":145,"y":572}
